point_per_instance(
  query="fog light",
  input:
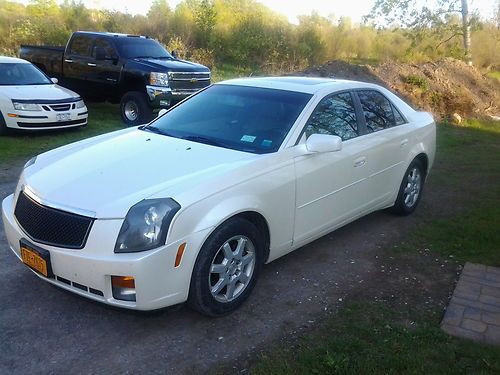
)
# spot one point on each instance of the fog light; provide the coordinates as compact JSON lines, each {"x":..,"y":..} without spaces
{"x":123,"y":288}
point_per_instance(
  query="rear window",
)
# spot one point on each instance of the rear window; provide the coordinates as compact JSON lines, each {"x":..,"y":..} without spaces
{"x":379,"y":112}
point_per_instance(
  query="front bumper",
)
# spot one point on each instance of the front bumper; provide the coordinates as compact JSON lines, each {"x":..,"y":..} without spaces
{"x":158,"y":283}
{"x":163,"y":97}
{"x":44,"y":120}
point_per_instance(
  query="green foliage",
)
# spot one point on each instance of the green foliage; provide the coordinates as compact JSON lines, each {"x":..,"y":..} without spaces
{"x":416,"y":81}
{"x":245,"y":33}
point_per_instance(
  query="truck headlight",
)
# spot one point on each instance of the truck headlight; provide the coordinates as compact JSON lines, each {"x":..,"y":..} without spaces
{"x":26,"y":106}
{"x":80,"y":104}
{"x":158,"y":79}
{"x":146,"y":225}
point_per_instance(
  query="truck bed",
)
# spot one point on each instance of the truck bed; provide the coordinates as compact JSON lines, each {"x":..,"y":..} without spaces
{"x":47,"y":58}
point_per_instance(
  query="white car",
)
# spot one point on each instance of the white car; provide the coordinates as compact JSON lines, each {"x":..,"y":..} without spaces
{"x":189,"y":207}
{"x":29,"y":100}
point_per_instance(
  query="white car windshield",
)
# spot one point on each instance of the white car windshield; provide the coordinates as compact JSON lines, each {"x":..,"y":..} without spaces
{"x":14,"y":74}
{"x":249,"y":119}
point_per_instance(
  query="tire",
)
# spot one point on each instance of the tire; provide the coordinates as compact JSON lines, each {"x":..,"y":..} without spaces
{"x":218,"y":282}
{"x":410,"y":190}
{"x":3,"y":127}
{"x":135,"y":108}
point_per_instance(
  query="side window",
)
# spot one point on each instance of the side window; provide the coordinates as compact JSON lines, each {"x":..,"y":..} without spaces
{"x":379,"y":112}
{"x":80,"y":45}
{"x":108,"y":48}
{"x":334,"y":115}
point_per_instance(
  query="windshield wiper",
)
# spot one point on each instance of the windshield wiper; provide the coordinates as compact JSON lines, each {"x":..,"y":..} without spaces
{"x":205,"y":140}
{"x":156,"y":130}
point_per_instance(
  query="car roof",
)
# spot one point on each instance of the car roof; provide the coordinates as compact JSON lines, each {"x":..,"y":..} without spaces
{"x":12,"y":60}
{"x":309,"y":85}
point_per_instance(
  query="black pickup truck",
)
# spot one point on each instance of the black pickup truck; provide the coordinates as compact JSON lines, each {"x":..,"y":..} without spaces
{"x":135,"y":71}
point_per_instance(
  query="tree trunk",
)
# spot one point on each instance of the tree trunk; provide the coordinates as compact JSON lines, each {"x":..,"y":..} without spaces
{"x":466,"y":31}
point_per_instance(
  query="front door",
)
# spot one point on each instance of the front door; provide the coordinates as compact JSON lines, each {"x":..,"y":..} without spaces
{"x":331,"y":186}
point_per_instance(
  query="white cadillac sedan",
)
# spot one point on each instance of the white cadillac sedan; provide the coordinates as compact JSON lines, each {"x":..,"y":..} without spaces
{"x":29,"y":100}
{"x":190,"y":206}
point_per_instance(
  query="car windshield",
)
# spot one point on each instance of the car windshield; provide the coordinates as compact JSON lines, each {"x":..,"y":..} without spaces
{"x":248,"y":119}
{"x":21,"y":74}
{"x":132,"y":47}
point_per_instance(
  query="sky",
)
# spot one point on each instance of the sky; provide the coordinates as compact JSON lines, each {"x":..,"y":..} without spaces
{"x":355,"y":9}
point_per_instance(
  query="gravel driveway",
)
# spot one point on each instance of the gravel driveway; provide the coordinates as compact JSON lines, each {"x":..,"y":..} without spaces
{"x":44,"y":329}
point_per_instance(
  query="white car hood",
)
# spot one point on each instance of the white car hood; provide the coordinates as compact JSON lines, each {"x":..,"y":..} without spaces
{"x":31,"y":92}
{"x":109,"y":176}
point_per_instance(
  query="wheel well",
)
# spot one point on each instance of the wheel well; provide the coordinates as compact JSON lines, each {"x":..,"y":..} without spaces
{"x":424,"y":160}
{"x":261,"y":223}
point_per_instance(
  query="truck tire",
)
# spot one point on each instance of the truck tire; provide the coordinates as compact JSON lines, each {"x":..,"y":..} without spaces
{"x":135,"y":109}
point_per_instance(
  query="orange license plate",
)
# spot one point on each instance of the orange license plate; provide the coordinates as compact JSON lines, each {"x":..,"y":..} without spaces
{"x":32,"y":259}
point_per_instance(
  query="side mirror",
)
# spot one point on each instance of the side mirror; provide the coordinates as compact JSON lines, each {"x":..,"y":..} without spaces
{"x":174,"y":54}
{"x":162,"y":112}
{"x":100,"y":54}
{"x":323,"y":143}
{"x":54,"y":81}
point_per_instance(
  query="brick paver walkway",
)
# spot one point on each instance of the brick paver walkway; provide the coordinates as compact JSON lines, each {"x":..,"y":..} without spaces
{"x":474,"y":309}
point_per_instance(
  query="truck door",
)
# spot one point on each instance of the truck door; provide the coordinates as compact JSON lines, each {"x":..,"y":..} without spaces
{"x":104,"y":69}
{"x":76,"y":60}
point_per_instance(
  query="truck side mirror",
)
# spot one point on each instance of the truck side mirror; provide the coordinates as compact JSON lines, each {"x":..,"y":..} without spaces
{"x":100,"y":54}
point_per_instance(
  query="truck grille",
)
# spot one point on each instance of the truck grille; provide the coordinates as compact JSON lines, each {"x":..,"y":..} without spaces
{"x":188,"y":82}
{"x":51,"y":226}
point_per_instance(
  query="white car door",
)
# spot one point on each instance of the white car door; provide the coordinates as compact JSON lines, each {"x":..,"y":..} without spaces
{"x":388,"y":141}
{"x":331,"y":187}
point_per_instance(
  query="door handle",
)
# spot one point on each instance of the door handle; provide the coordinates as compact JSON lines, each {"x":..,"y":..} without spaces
{"x":69,"y":61}
{"x":91,"y":64}
{"x":404,"y":142}
{"x":359,"y":162}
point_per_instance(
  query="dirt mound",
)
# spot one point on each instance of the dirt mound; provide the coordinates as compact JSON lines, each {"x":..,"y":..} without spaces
{"x":443,"y":87}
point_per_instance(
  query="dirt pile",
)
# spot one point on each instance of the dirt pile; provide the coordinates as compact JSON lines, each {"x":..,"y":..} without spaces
{"x":444,"y":87}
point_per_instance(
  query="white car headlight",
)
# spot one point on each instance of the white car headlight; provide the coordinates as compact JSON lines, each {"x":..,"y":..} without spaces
{"x":158,"y":79}
{"x":26,"y":106}
{"x":146,"y":225}
{"x":80,"y":104}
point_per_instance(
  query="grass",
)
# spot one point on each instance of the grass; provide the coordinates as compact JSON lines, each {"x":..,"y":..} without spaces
{"x":366,"y":338}
{"x":19,"y":146}
{"x":375,"y":338}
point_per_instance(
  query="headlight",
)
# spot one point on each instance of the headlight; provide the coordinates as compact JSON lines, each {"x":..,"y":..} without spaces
{"x":80,"y":104}
{"x":26,"y":106}
{"x":158,"y":79}
{"x":146,"y":224}
{"x":30,"y":162}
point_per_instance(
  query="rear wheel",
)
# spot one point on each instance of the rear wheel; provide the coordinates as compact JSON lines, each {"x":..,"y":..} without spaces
{"x":227,"y":268}
{"x":135,"y":109}
{"x":410,"y":190}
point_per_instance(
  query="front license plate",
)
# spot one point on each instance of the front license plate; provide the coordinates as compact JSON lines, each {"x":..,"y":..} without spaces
{"x":63,"y":116}
{"x":39,"y":260}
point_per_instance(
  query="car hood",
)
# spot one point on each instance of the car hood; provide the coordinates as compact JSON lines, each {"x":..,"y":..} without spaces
{"x":104,"y":178}
{"x":33,"y":92}
{"x":172,"y":65}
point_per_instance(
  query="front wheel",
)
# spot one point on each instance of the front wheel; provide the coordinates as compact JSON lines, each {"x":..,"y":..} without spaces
{"x":227,"y":268}
{"x":410,"y":190}
{"x":135,"y":109}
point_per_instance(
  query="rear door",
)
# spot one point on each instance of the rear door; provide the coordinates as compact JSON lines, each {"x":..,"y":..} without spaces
{"x":388,"y":141}
{"x":77,"y":57}
{"x":104,"y":74}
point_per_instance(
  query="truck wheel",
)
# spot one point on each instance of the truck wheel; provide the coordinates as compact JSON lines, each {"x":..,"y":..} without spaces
{"x":135,"y":109}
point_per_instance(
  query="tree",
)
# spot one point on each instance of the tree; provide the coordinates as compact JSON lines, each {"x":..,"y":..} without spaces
{"x":432,"y":17}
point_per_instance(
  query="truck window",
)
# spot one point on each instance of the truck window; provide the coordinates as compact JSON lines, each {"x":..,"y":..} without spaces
{"x":108,"y":48}
{"x":80,"y":45}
